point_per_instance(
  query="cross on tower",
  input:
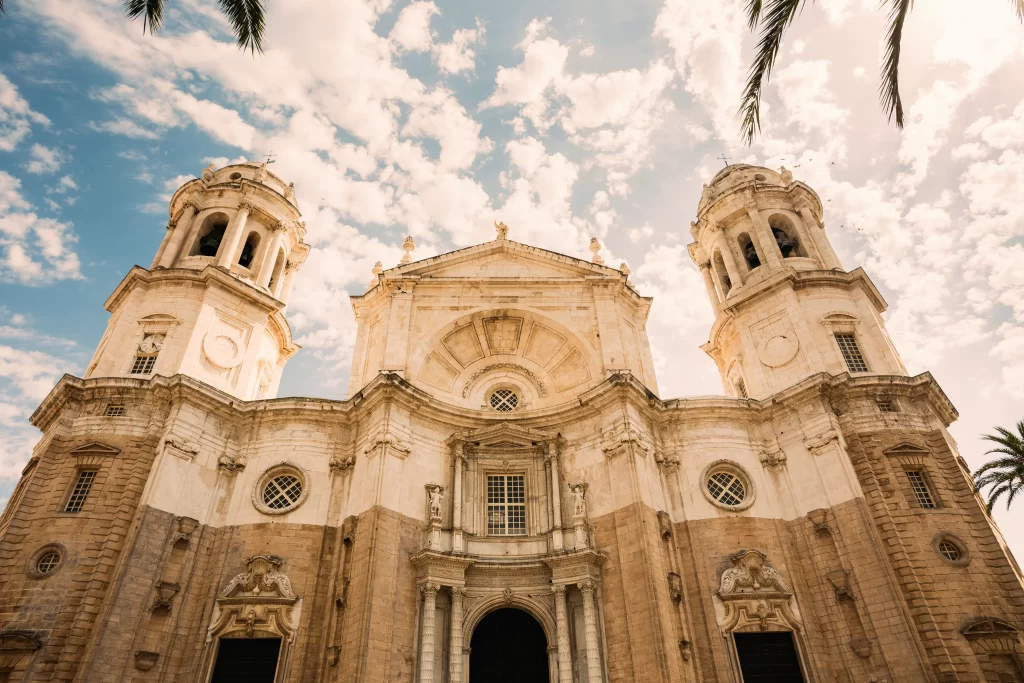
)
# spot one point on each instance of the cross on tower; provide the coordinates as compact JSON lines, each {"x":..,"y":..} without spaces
{"x":724,"y":158}
{"x":270,"y":158}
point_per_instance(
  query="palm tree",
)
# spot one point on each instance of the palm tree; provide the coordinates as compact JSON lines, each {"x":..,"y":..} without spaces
{"x":246,"y":17}
{"x":1005,"y":474}
{"x":775,"y":17}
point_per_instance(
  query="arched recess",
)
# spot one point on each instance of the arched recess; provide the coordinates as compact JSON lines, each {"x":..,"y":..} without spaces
{"x":544,"y":358}
{"x":250,"y":248}
{"x":723,"y":275}
{"x":749,"y":251}
{"x":210,"y":234}
{"x":277,"y":274}
{"x":535,"y":608}
{"x":787,"y":236}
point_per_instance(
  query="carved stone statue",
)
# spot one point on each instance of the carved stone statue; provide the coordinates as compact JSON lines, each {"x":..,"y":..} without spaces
{"x":435,"y":492}
{"x":207,"y":173}
{"x":579,"y":494}
{"x":502,"y":230}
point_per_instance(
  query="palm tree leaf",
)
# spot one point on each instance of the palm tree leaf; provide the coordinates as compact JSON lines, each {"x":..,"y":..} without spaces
{"x":994,"y":495}
{"x":151,"y":11}
{"x":1018,"y":3}
{"x":889,"y":89}
{"x":3,"y":11}
{"x":754,"y":13}
{"x":1014,"y":489}
{"x":248,"y":20}
{"x":776,"y":18}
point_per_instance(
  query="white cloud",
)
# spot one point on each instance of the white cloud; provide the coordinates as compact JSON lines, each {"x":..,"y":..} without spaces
{"x":45,"y":159}
{"x":459,"y":54}
{"x":412,"y":30}
{"x":124,"y":127}
{"x":16,"y":117}
{"x":543,"y":62}
{"x":33,"y":250}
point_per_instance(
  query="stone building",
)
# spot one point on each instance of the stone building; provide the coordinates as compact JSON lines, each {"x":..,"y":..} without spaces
{"x":504,"y":497}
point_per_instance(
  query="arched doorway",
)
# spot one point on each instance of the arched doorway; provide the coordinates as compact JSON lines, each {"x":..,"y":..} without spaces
{"x":508,"y":646}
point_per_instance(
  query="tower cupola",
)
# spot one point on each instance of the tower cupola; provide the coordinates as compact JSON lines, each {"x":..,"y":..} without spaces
{"x":212,"y":304}
{"x":784,"y":306}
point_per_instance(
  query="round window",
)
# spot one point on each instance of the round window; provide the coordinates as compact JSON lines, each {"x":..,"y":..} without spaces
{"x":281,"y":489}
{"x":728,"y":486}
{"x":235,"y":176}
{"x":47,"y":564}
{"x":46,"y":560}
{"x":950,"y":551}
{"x":504,"y":400}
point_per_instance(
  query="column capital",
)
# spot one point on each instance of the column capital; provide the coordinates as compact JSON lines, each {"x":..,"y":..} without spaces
{"x":705,"y":266}
{"x":430,"y":589}
{"x":458,"y":590}
{"x":246,"y":206}
{"x":171,"y":224}
{"x":586,"y":587}
{"x":558,"y":589}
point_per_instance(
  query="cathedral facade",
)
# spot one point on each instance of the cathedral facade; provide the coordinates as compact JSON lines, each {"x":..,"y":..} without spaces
{"x":504,"y":497}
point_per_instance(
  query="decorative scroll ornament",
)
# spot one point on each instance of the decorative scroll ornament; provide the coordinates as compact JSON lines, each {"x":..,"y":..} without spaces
{"x":340,"y":464}
{"x":180,"y":448}
{"x":384,"y":439}
{"x":259,"y":599}
{"x":771,"y":458}
{"x":818,"y":443}
{"x":669,"y":463}
{"x":755,"y":596}
{"x":207,"y":173}
{"x":231,"y":464}
{"x":621,"y":436}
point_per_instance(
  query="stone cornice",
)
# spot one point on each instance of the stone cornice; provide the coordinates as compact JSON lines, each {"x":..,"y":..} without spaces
{"x":542,"y":424}
{"x":211,"y":276}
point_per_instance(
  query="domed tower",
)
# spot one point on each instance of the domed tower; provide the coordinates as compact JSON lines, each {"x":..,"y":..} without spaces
{"x":212,"y":304}
{"x":784,"y":307}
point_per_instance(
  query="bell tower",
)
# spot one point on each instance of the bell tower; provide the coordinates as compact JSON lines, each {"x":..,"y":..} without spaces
{"x":212,"y":303}
{"x":785,"y":308}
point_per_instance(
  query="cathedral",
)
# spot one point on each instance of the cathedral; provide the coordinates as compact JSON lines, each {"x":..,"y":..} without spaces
{"x":504,"y":496}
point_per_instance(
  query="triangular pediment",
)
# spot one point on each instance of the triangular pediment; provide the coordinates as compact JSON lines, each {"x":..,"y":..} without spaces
{"x":95,"y":448}
{"x":906,"y":449}
{"x":501,"y":259}
{"x":503,"y":435}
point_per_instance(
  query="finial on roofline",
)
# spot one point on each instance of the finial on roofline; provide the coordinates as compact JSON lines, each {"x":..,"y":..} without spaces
{"x":595,"y":248}
{"x":378,"y":268}
{"x":408,"y":246}
{"x":502,"y":230}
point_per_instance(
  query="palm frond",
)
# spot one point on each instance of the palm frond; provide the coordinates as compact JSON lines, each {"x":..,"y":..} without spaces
{"x":3,"y":11}
{"x":248,"y":20}
{"x":889,"y":89}
{"x":1018,"y":3}
{"x":1001,"y":463}
{"x":754,"y":13}
{"x":1014,"y":490}
{"x":994,"y":496}
{"x":775,"y":19}
{"x":151,"y":11}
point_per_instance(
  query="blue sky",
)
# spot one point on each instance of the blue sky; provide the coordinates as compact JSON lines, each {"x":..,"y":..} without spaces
{"x":565,"y":120}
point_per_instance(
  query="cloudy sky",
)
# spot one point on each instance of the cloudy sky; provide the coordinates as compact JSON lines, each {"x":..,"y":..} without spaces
{"x":435,"y":118}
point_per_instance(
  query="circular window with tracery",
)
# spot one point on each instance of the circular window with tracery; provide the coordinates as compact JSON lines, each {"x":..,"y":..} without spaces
{"x":281,"y":489}
{"x":46,"y":560}
{"x":728,"y":486}
{"x":504,"y":400}
{"x":951,"y":549}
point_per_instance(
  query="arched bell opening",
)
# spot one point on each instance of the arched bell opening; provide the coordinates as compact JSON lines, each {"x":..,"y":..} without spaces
{"x":723,"y":275}
{"x":785,"y":234}
{"x":210,"y":235}
{"x":249,"y":249}
{"x":749,"y":251}
{"x":509,"y":646}
{"x":276,"y":279}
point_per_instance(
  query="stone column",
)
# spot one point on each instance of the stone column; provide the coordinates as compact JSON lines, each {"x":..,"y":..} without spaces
{"x":290,"y":269}
{"x":590,"y":628}
{"x":763,"y":235}
{"x":163,"y":245}
{"x":455,"y":640}
{"x":460,"y":456}
{"x":818,"y":238}
{"x":181,"y":230}
{"x":427,"y":633}
{"x":709,"y":282}
{"x":396,"y":346}
{"x":270,"y":257}
{"x":556,"y":500}
{"x":562,"y":632}
{"x":730,"y":263}
{"x":229,"y":245}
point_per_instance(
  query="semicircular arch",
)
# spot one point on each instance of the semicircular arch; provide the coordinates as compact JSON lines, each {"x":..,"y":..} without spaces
{"x":536,"y":609}
{"x":465,"y":355}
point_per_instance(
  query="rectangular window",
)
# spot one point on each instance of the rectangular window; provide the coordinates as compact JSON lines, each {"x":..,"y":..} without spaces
{"x":919,"y":485}
{"x":143,"y":364}
{"x":851,"y":352}
{"x":115,"y":411}
{"x":506,"y":504}
{"x":81,"y":491}
{"x":887,"y":406}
